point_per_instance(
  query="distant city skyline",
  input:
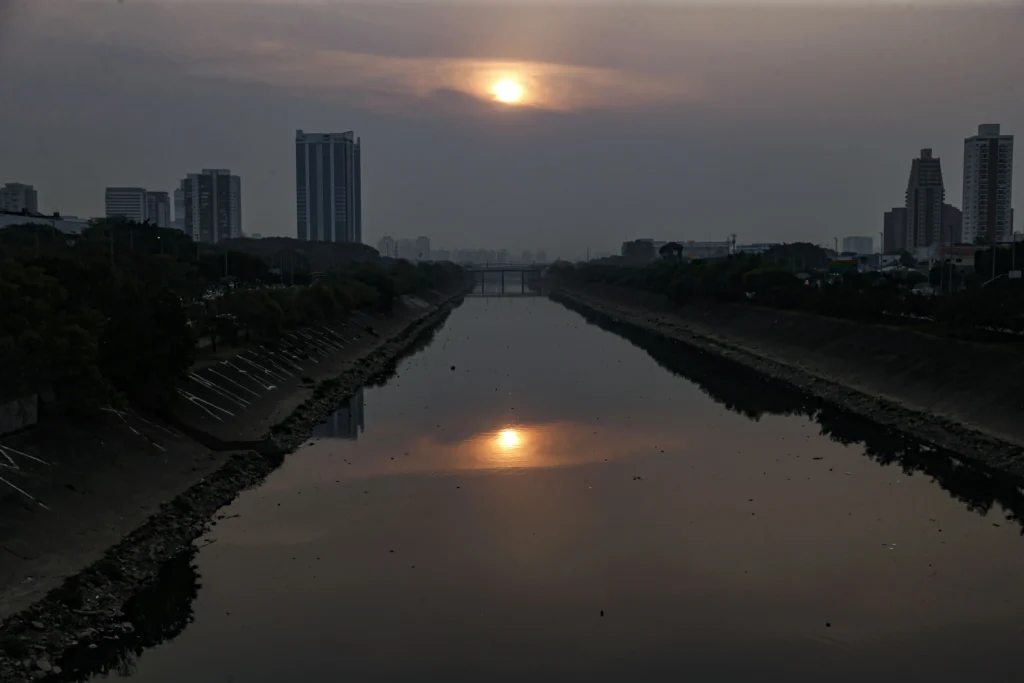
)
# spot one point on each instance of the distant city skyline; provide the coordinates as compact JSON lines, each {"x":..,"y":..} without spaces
{"x":419,"y":249}
{"x":824,"y":127}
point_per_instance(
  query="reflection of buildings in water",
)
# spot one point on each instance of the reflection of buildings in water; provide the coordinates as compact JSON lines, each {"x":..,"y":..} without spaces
{"x":346,"y":422}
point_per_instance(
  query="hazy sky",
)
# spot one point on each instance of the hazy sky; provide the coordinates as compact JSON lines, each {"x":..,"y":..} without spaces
{"x":668,"y":121}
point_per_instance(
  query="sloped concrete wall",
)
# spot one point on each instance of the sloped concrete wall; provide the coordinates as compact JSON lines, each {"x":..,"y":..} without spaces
{"x":973,"y":384}
{"x":19,"y":414}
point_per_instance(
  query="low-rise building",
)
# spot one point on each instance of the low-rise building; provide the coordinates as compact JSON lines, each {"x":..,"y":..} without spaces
{"x":17,"y":197}
{"x":70,"y":225}
{"x":755,"y":248}
{"x":859,"y":244}
{"x":126,"y":202}
{"x":960,"y":257}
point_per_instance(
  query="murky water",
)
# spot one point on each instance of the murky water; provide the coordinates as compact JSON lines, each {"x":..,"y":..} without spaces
{"x":532,"y":497}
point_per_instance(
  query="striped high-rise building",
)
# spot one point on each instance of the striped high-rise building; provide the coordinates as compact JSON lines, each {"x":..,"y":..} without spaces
{"x":988,"y":186}
{"x":328,"y":187}
{"x":213,"y":205}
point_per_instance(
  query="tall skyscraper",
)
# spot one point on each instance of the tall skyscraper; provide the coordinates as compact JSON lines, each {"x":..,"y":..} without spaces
{"x":328,"y":187}
{"x":988,"y":186}
{"x":18,"y":197}
{"x":126,"y":202}
{"x":894,"y":230}
{"x":158,"y":209}
{"x":213,"y":205}
{"x":179,"y":209}
{"x":925,"y":193}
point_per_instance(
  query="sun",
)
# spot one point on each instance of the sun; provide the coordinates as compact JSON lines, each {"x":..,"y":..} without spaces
{"x":508,"y":438}
{"x":506,"y":91}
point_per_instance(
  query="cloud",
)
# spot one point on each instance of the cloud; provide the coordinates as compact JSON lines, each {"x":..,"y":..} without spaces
{"x":339,"y":74}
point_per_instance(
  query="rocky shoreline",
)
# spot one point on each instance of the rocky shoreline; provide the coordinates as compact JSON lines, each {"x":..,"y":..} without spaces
{"x":87,"y":611}
{"x":936,"y":431}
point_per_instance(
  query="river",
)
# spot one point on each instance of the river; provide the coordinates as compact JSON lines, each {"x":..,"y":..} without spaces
{"x":535,"y":497}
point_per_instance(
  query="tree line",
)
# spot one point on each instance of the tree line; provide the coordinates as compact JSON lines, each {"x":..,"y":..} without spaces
{"x":879,"y":297}
{"x":114,"y":315}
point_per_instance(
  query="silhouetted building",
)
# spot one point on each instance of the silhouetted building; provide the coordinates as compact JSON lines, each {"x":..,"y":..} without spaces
{"x":386,"y":246}
{"x":952,"y":225}
{"x":894,"y":230}
{"x":158,"y":209}
{"x":405,"y":249}
{"x":328,"y":187}
{"x":18,"y":197}
{"x":126,"y":202}
{"x":213,"y":205}
{"x":858,"y":245}
{"x":421,"y":248}
{"x":179,"y":209}
{"x":925,"y":195}
{"x":988,"y":186}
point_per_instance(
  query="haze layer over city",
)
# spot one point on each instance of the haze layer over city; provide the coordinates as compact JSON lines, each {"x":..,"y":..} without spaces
{"x":685,"y":122}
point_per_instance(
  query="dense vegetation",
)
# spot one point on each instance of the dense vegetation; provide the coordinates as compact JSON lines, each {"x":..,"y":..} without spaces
{"x":115,"y":314}
{"x":869,"y":297}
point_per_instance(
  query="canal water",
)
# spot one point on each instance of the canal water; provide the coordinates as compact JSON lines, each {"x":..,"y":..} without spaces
{"x":539,"y":496}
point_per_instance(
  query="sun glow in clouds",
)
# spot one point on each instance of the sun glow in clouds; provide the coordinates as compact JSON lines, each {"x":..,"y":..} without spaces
{"x":508,"y":439}
{"x":507,"y":91}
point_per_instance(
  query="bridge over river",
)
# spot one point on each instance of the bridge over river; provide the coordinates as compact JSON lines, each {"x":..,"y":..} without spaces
{"x":496,"y":274}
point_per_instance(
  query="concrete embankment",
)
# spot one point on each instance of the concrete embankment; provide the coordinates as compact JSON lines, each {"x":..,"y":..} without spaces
{"x":99,"y":507}
{"x":966,"y":397}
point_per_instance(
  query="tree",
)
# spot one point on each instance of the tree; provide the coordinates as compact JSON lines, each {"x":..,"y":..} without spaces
{"x":797,"y":256}
{"x":43,"y":346}
{"x":907,"y":260}
{"x":147,"y":344}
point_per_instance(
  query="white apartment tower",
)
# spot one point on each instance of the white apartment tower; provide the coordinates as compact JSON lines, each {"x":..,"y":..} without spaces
{"x":328,"y":187}
{"x":988,"y":186}
{"x":213,"y":205}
